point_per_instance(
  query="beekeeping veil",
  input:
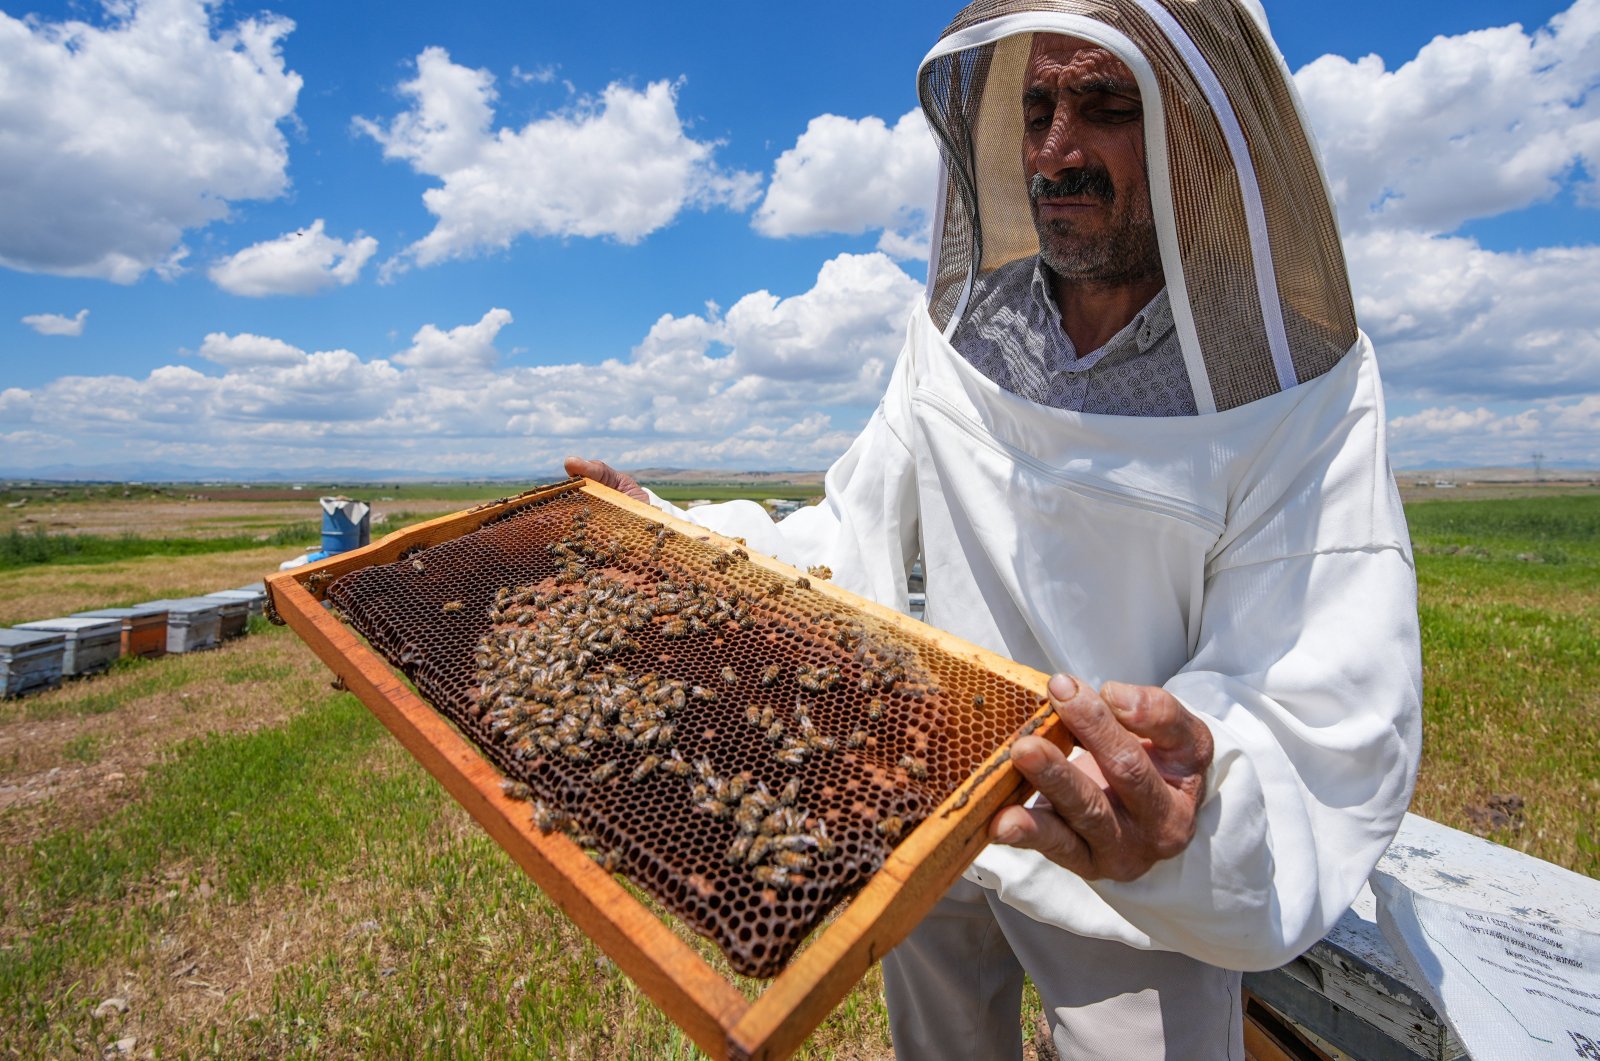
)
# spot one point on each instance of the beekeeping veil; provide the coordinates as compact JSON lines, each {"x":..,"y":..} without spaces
{"x":1248,"y":238}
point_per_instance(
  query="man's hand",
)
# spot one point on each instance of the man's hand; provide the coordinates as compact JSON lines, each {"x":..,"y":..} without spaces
{"x":605,"y":475}
{"x":1151,"y":754}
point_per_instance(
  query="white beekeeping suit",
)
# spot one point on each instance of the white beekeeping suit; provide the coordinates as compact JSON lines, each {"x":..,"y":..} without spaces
{"x":1252,"y":558}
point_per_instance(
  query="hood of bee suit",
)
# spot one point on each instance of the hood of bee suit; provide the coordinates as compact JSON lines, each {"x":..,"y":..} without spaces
{"x":1249,"y":241}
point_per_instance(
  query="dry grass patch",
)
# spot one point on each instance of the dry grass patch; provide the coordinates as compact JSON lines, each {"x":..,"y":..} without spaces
{"x":53,"y":590}
{"x":167,"y":518}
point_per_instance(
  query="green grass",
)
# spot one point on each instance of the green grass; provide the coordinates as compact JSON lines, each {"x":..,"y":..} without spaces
{"x":19,"y":548}
{"x":678,"y":492}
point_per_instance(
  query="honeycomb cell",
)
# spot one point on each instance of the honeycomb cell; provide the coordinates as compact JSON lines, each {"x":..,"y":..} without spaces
{"x":742,"y":747}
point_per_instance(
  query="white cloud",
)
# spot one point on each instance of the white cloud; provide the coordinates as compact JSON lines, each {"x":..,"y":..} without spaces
{"x":296,"y":263}
{"x":620,"y":166}
{"x":56,"y":324}
{"x":774,"y":382}
{"x":245,"y":350}
{"x":121,"y":136}
{"x":464,"y":349}
{"x":1561,"y":430}
{"x":851,"y":176}
{"x":1476,"y":125}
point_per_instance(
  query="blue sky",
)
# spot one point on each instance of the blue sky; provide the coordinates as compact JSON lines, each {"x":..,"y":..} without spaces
{"x":359,"y":236}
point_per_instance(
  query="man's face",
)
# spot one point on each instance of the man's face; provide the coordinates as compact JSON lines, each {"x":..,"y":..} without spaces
{"x":1083,"y":158}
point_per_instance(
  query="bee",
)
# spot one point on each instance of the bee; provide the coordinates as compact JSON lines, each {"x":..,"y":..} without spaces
{"x":977,"y":700}
{"x":664,"y":734}
{"x":713,"y":807}
{"x":775,"y":589}
{"x":791,"y":756}
{"x":546,"y":818}
{"x":596,"y":732}
{"x":740,"y":847}
{"x":516,"y":790}
{"x":775,"y":732}
{"x":806,"y":678}
{"x":730,"y":676}
{"x":315,"y":580}
{"x":891,"y":827}
{"x":822,"y":743}
{"x":644,"y":737}
{"x":738,"y":552}
{"x":675,"y":629}
{"x":736,"y":786}
{"x":822,"y":571}
{"x":825,"y":845}
{"x":866,"y":683}
{"x":576,"y":752}
{"x":603,"y":773}
{"x":802,"y":582}
{"x":793,"y":860}
{"x":790,"y":792}
{"x":759,"y":847}
{"x":700,"y":692}
{"x":645,"y":767}
{"x":856,"y":739}
{"x":452,"y":606}
{"x":418,"y":566}
{"x":610,"y":860}
{"x":752,"y":714}
{"x":875,"y":710}
{"x":677,"y":767}
{"x":707,"y":772}
{"x":776,"y":876}
{"x":916,"y":768}
{"x":767,"y":715}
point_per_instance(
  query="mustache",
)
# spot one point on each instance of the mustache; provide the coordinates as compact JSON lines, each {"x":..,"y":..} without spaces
{"x":1095,"y":182}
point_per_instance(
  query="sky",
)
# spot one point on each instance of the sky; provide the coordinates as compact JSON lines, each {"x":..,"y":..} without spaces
{"x":360,"y":238}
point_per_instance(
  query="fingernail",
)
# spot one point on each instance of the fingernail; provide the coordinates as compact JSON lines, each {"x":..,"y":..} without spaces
{"x":1008,"y":834}
{"x":1115,"y":696}
{"x":1062,"y":687}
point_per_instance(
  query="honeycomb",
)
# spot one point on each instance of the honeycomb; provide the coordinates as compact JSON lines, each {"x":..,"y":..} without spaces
{"x":743,"y":748}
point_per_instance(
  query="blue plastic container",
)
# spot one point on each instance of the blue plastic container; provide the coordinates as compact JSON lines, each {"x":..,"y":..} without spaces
{"x":346,"y":525}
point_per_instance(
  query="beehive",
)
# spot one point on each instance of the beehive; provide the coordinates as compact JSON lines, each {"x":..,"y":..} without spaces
{"x":30,"y":660}
{"x":748,"y":744}
{"x":254,"y":595}
{"x":144,"y":629}
{"x":193,"y":623}
{"x":233,"y":614}
{"x":92,"y":644}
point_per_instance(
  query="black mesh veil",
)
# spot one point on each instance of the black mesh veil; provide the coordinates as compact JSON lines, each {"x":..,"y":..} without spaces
{"x":1249,"y":240}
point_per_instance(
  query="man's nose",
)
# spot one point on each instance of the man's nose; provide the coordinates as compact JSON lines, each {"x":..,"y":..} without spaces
{"x":1060,"y":150}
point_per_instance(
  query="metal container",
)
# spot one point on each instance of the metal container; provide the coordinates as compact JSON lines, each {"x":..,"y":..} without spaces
{"x":254,"y":599}
{"x":144,"y":628}
{"x":30,"y":660}
{"x":92,"y":644}
{"x":193,"y":623}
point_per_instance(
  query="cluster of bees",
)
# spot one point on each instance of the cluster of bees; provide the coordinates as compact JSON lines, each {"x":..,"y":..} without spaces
{"x":552,"y":689}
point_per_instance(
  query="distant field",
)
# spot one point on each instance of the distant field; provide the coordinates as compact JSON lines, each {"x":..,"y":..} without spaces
{"x":246,"y":860}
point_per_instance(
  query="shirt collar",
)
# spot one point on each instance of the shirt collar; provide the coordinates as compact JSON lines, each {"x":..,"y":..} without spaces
{"x":1148,"y":327}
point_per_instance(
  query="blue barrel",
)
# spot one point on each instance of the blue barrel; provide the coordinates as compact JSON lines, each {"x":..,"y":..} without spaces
{"x":346,"y":524}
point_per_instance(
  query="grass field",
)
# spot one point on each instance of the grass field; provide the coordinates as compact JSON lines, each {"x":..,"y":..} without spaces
{"x":220,"y":855}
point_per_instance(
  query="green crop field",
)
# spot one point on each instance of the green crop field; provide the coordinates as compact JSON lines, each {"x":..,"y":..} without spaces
{"x":220,"y":855}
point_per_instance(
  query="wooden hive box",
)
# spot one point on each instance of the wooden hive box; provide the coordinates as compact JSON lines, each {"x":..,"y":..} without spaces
{"x":92,"y":644}
{"x":705,"y":1003}
{"x":254,"y":596}
{"x":30,"y":660}
{"x":233,"y":614}
{"x":193,"y":623}
{"x":144,"y":629}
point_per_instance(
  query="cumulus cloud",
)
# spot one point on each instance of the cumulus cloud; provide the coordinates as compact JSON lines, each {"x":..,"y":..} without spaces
{"x":852,"y":176}
{"x":620,"y":166}
{"x":1476,"y":125}
{"x":296,"y":263}
{"x":122,"y":135}
{"x":775,"y":381}
{"x":1565,"y":430}
{"x":56,"y":324}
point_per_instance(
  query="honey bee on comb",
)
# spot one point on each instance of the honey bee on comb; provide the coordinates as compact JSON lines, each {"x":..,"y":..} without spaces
{"x":655,"y":696}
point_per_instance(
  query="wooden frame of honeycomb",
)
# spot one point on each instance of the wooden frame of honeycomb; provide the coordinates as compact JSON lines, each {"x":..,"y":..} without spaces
{"x":704,"y":1003}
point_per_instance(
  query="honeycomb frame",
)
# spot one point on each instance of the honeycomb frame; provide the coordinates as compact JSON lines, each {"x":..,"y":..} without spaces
{"x":720,"y":1018}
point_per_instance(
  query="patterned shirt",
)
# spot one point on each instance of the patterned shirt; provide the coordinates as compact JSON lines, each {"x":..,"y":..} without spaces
{"x":1011,"y":332}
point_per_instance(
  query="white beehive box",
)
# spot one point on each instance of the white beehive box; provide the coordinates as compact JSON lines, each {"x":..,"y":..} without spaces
{"x":30,"y":660}
{"x":92,"y":644}
{"x":193,"y":623}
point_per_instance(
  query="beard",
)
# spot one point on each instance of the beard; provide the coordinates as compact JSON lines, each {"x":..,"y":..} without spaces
{"x":1124,"y":253}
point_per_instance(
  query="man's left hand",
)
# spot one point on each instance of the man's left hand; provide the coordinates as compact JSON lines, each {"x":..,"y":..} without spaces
{"x":1151,"y":755}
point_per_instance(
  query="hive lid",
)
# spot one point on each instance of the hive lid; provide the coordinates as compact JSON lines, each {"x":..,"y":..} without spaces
{"x":186,"y":604}
{"x":79,"y":625}
{"x":22,"y":638}
{"x":123,"y":613}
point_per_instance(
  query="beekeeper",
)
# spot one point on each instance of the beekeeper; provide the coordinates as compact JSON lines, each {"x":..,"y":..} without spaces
{"x":1137,"y":438}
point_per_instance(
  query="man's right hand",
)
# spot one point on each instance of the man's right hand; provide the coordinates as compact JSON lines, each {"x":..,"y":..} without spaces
{"x":606,"y":475}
